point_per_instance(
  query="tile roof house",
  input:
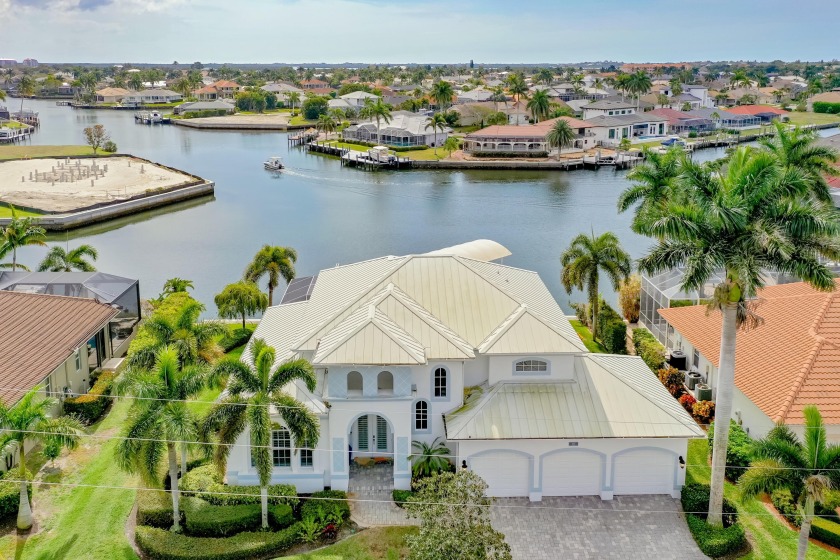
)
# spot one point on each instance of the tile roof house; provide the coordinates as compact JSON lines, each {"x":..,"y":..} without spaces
{"x":525,"y":139}
{"x":765,"y":112}
{"x":111,"y":95}
{"x":790,"y":361}
{"x":397,"y":343}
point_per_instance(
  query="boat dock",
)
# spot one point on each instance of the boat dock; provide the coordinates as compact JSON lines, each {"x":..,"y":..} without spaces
{"x":27,"y":116}
{"x":146,"y":117}
{"x":13,"y":135}
{"x":354,"y":158}
{"x":303,"y":137}
{"x":63,"y":103}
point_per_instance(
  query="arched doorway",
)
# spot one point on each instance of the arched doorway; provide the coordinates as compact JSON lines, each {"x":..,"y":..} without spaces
{"x":371,"y":436}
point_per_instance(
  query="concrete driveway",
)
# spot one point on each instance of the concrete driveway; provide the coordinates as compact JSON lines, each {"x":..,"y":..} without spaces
{"x":626,"y":528}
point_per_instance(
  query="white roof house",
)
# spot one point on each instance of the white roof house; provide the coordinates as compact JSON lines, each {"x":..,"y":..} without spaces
{"x":404,"y":129}
{"x":397,"y":342}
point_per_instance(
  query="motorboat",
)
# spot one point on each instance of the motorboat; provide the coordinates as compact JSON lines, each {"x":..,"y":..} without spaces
{"x":155,"y":117}
{"x":274,"y":164}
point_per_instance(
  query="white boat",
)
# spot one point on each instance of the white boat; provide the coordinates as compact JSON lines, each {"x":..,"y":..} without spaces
{"x":155,"y":117}
{"x":273,"y":164}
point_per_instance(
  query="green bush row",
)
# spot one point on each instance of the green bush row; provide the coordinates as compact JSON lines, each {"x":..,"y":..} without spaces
{"x":280,"y":515}
{"x":10,"y":493}
{"x":612,"y":330}
{"x":400,"y":497}
{"x":206,"y":483}
{"x":327,"y":505}
{"x":90,"y":407}
{"x":206,"y":520}
{"x":784,"y":503}
{"x":648,"y":348}
{"x":154,"y":508}
{"x":205,"y":113}
{"x":738,"y":452}
{"x":160,"y":544}
{"x":235,"y":337}
{"x":712,"y":541}
{"x":825,"y":530}
{"x":826,"y":107}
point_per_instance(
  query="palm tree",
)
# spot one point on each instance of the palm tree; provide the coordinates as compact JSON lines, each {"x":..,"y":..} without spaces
{"x":662,"y":100}
{"x":135,"y":81}
{"x":436,"y":123}
{"x":159,"y":419}
{"x":517,"y":86}
{"x":498,"y":95}
{"x":376,"y":111}
{"x":253,"y":390}
{"x":561,"y":135}
{"x":25,"y":88}
{"x":240,"y":299}
{"x":20,"y":232}
{"x":429,"y":459}
{"x":807,"y":467}
{"x":451,"y":144}
{"x":274,"y":261}
{"x":638,"y":84}
{"x":293,"y":97}
{"x":60,"y":260}
{"x":194,"y":341}
{"x":750,"y":217}
{"x":583,"y":262}
{"x":2,"y":95}
{"x":175,"y":285}
{"x":441,"y":94}
{"x":653,"y":185}
{"x":183,"y":86}
{"x":539,"y":105}
{"x":29,"y":421}
{"x":622,"y":84}
{"x":326,"y":124}
{"x":545,"y":76}
{"x":797,"y":149}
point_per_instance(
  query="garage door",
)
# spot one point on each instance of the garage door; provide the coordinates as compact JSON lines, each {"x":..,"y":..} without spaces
{"x":571,"y":473}
{"x":644,"y":471}
{"x":506,"y":474}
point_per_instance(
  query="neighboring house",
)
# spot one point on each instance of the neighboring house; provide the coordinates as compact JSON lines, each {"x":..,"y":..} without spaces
{"x":226,"y":88}
{"x":450,"y":345}
{"x":282,"y":91}
{"x":216,"y":105}
{"x":474,"y":96}
{"x":152,"y":96}
{"x":111,"y":95}
{"x":526,"y":139}
{"x":789,"y":362}
{"x":679,"y":121}
{"x":353,"y":100}
{"x":726,"y":119}
{"x":405,"y":129}
{"x":206,"y":93}
{"x":832,"y":96}
{"x":766,"y":113}
{"x":314,"y":85}
{"x":609,"y":130}
{"x":705,"y":100}
{"x":608,"y":108}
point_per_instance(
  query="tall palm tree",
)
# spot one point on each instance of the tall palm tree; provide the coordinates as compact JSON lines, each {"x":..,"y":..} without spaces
{"x":159,"y":419}
{"x":622,"y":84}
{"x":498,"y":96}
{"x":29,"y":421}
{"x":253,"y":391}
{"x":25,"y":88}
{"x":437,"y":123}
{"x":293,"y":97}
{"x":376,"y":110}
{"x":175,"y":285}
{"x":539,"y":105}
{"x":60,"y":260}
{"x":807,"y":467}
{"x":441,"y":94}
{"x":544,"y":76}
{"x":240,"y":299}
{"x":797,"y":149}
{"x":183,"y":86}
{"x":561,"y":135}
{"x":653,"y":185}
{"x":274,"y":262}
{"x":639,"y":84}
{"x":583,"y":262}
{"x":20,"y":232}
{"x":135,"y":81}
{"x":517,"y":86}
{"x":326,"y":124}
{"x":193,"y":341}
{"x":740,"y":79}
{"x":750,"y":217}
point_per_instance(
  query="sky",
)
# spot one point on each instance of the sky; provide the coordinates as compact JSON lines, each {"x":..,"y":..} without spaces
{"x":434,"y":31}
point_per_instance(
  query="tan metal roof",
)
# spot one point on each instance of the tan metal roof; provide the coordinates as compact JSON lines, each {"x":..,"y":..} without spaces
{"x":39,"y":332}
{"x":525,"y":333}
{"x":607,"y":397}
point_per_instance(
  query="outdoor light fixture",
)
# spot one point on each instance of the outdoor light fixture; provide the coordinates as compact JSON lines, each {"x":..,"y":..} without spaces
{"x":682,"y":462}
{"x":464,"y":465}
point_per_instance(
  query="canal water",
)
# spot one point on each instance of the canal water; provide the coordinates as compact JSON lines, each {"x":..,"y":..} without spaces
{"x":329,"y":214}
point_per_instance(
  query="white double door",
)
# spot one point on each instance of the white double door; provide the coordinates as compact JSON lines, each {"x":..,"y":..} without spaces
{"x":373,"y":435}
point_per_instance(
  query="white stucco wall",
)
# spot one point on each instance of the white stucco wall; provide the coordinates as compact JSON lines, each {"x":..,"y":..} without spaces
{"x":502,"y":368}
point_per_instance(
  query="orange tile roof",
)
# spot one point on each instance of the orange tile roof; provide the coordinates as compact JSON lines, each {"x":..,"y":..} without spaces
{"x":528,"y":130}
{"x":225,"y":84}
{"x":207,"y":89}
{"x":756,"y":109}
{"x":790,"y":361}
{"x":38,"y":332}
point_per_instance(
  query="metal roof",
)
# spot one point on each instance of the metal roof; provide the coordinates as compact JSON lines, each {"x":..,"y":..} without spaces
{"x":605,"y":397}
{"x":100,"y":286}
{"x":620,"y":120}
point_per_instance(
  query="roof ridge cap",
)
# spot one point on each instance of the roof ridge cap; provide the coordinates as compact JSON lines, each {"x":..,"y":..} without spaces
{"x":388,"y":330}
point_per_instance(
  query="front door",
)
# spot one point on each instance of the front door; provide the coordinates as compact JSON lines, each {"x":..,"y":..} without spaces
{"x":373,"y":435}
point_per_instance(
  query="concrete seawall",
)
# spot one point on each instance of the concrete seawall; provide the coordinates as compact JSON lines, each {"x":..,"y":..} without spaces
{"x":494,"y":164}
{"x":217,"y":125}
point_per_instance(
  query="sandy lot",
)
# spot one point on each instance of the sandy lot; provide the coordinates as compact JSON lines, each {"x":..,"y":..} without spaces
{"x":125,"y":177}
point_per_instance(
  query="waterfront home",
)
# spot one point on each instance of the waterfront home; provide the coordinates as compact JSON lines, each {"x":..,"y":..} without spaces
{"x":679,"y":121}
{"x":525,"y":140}
{"x":111,"y":95}
{"x":452,"y":345}
{"x":195,"y":106}
{"x":726,"y":119}
{"x":789,"y":362}
{"x":405,"y":129}
{"x":766,"y":113}
{"x":149,"y":96}
{"x":570,"y":92}
{"x":610,"y":130}
{"x":474,"y":95}
{"x":609,"y":108}
{"x":314,"y":84}
{"x":206,"y":93}
{"x":354,"y":100}
{"x":282,"y":91}
{"x":226,"y":89}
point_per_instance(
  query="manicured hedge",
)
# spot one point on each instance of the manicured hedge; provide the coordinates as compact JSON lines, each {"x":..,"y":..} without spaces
{"x":154,"y":508}
{"x":90,"y":407}
{"x":826,"y":107}
{"x":236,"y":337}
{"x":712,"y":541}
{"x":612,"y":330}
{"x":785,"y":504}
{"x":826,"y":531}
{"x":160,"y":544}
{"x":10,"y":493}
{"x":206,"y":483}
{"x":205,"y":113}
{"x":207,"y":520}
{"x":648,"y":348}
{"x":325,"y":505}
{"x":280,"y":515}
{"x":737,"y":452}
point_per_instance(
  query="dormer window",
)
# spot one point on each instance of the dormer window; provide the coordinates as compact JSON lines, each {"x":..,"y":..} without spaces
{"x":530,"y":366}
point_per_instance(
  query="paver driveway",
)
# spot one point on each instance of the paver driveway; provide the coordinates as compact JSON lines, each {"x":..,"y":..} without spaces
{"x":626,"y":528}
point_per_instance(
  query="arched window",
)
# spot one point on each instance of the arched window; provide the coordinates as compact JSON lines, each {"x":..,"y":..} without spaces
{"x":385,"y":383}
{"x":421,"y":416}
{"x":281,"y":447}
{"x":354,"y":382}
{"x":530,"y":366}
{"x":441,"y":383}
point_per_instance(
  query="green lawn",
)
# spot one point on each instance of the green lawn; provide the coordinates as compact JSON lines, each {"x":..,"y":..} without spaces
{"x":14,"y":124}
{"x":586,"y":336}
{"x":24,"y":152}
{"x":768,"y":536}
{"x":813,"y":118}
{"x":6,"y":212}
{"x":378,"y":543}
{"x":299,"y":120}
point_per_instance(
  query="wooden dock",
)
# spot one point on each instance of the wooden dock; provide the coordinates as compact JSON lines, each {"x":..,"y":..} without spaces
{"x":14,"y":135}
{"x":303,"y":137}
{"x":354,"y":158}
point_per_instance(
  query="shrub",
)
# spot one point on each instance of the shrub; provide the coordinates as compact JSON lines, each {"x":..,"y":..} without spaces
{"x":628,"y":297}
{"x":612,"y":329}
{"x":10,"y":493}
{"x":280,"y":515}
{"x":154,"y":509}
{"x":687,"y":401}
{"x":672,"y":379}
{"x":738,"y":452}
{"x":110,"y":146}
{"x":314,"y":107}
{"x":235,"y":337}
{"x":328,"y":506}
{"x":826,"y":107}
{"x":207,"y":520}
{"x":582,"y":313}
{"x":90,"y":407}
{"x":309,"y":529}
{"x":205,"y":113}
{"x":400,"y":497}
{"x":712,"y":541}
{"x":160,"y":544}
{"x":826,"y":531}
{"x":786,"y":505}
{"x":206,"y":482}
{"x":648,"y":348}
{"x":704,"y":411}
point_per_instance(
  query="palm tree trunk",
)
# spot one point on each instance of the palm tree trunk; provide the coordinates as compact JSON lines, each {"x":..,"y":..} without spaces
{"x":264,"y":505}
{"x":270,"y":295}
{"x":723,"y":411}
{"x":805,"y":529}
{"x":243,"y":320}
{"x":14,"y":268}
{"x":24,"y":518}
{"x":593,"y":303}
{"x":173,"y":482}
{"x":183,"y":458}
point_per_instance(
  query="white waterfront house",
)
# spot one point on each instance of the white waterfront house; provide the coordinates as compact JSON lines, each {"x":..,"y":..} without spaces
{"x":152,"y":96}
{"x":451,"y":345}
{"x":610,"y":130}
{"x":609,"y":108}
{"x":405,"y":129}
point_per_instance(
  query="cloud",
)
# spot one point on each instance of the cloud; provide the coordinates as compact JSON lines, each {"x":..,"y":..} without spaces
{"x":89,"y":5}
{"x":61,"y":5}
